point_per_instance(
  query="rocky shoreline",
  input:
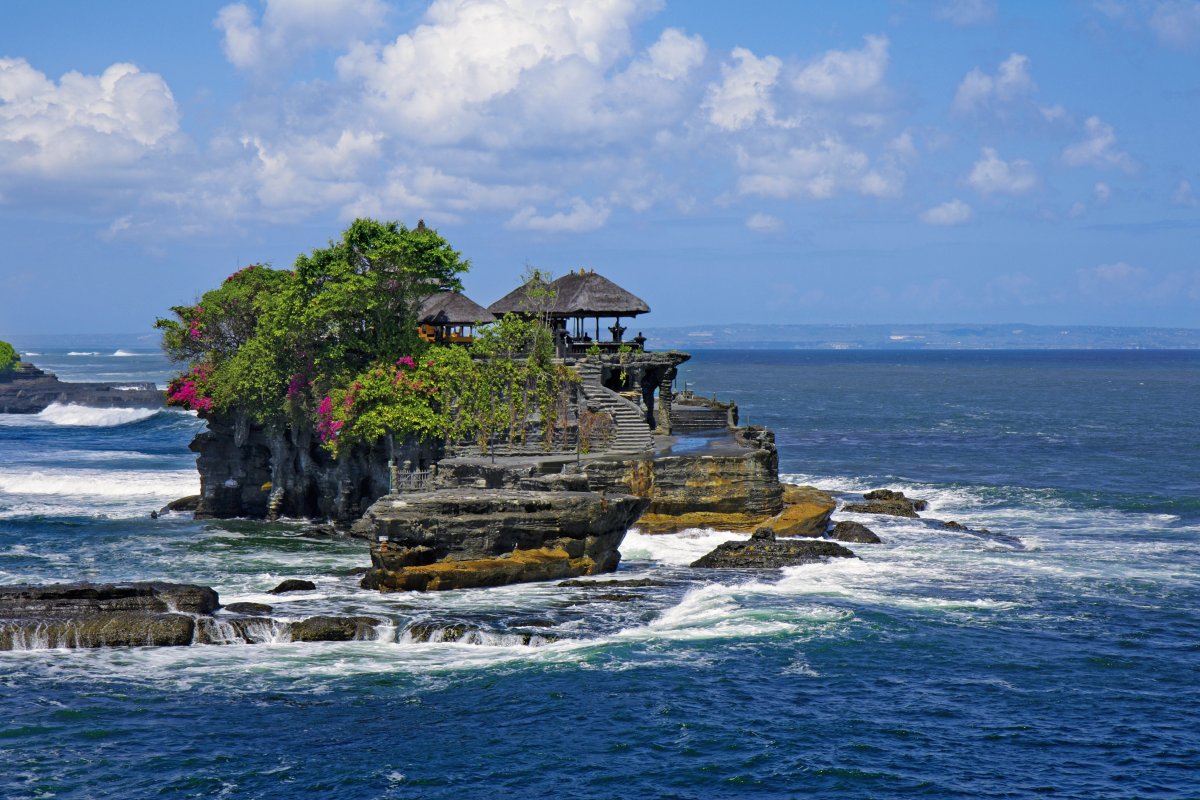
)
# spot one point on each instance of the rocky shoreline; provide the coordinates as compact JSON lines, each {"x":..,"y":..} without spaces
{"x":30,"y":390}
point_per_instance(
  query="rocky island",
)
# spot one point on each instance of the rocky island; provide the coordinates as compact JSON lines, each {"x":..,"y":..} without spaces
{"x":471,"y":446}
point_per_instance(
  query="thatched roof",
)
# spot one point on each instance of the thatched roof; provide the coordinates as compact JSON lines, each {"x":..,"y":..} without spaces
{"x":586,"y":294}
{"x":459,"y":310}
{"x":576,"y":294}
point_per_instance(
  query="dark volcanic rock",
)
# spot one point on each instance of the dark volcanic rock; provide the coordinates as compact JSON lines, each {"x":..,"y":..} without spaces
{"x":293,"y":585}
{"x":459,"y":538}
{"x":762,"y":551}
{"x":334,"y":629}
{"x":93,"y":598}
{"x":886,"y":501}
{"x":467,"y":634}
{"x":257,"y":609}
{"x":846,"y":531}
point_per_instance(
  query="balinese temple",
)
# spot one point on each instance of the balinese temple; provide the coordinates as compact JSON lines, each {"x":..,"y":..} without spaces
{"x":573,"y":302}
{"x":451,"y":317}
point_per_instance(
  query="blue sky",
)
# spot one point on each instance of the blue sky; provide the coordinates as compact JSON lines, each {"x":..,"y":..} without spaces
{"x":780,"y":162}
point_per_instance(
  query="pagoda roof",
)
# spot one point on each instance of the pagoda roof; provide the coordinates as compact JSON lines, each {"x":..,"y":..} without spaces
{"x":458,"y":308}
{"x":576,"y":294}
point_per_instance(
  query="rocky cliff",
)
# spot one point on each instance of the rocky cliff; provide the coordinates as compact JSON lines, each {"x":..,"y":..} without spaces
{"x":250,"y":470}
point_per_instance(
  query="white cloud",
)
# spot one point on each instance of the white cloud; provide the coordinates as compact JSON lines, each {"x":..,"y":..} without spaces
{"x":581,"y":217}
{"x":964,"y":13}
{"x":990,"y":174}
{"x":978,"y":89}
{"x":819,"y":171}
{"x":516,"y":71}
{"x":763,"y":223}
{"x":1183,"y":195}
{"x":844,"y":73}
{"x":1098,"y":149}
{"x":744,"y":94}
{"x":308,"y":172}
{"x":1177,"y":23}
{"x":83,"y":123}
{"x":1102,"y":193}
{"x":1054,"y":113}
{"x":954,"y":212}
{"x":290,"y":27}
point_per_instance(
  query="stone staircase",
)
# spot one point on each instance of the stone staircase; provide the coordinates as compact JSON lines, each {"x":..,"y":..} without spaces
{"x":630,"y":433}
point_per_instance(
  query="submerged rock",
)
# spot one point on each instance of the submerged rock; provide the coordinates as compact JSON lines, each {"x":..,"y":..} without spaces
{"x":249,"y":608}
{"x":886,"y":501}
{"x":188,"y":503}
{"x":334,"y":629}
{"x":461,"y":538}
{"x":632,"y":583}
{"x":433,"y":632}
{"x":293,"y":585}
{"x":846,"y":531}
{"x":763,"y":551}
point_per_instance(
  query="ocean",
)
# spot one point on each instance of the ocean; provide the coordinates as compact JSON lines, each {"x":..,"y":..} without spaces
{"x":1058,"y":654}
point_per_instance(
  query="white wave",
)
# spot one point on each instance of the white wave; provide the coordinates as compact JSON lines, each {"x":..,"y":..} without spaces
{"x":83,"y":353}
{"x":88,"y":416}
{"x":91,"y":492}
{"x":31,"y":353}
{"x":678,"y":549}
{"x":126,"y":353}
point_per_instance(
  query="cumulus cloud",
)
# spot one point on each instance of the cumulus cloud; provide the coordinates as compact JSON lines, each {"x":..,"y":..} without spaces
{"x":744,"y":94}
{"x":954,"y":212}
{"x":580,"y":218}
{"x":763,"y":223}
{"x":979,"y":90}
{"x":515,"y":71}
{"x":818,"y":171}
{"x":1177,"y":23}
{"x":844,"y":73}
{"x":991,"y":174}
{"x":82,"y":123}
{"x":1098,"y":149}
{"x":1102,"y":193}
{"x":290,"y":27}
{"x":308,"y":172}
{"x":965,"y":13}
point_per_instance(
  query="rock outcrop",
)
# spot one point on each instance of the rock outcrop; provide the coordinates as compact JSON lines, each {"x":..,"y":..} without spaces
{"x":886,"y":501}
{"x":461,"y":538}
{"x":31,"y":391}
{"x":763,"y":551}
{"x":736,"y":488}
{"x":846,"y":531}
{"x":78,"y":615}
{"x":806,"y":512}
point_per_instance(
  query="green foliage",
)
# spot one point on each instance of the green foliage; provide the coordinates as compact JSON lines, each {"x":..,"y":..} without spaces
{"x":8,"y":358}
{"x":274,"y":341}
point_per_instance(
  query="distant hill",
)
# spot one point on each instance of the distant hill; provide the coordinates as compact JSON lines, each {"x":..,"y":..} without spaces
{"x":921,"y":337}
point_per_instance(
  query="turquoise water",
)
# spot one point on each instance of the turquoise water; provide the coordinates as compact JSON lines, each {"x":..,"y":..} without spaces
{"x":1058,"y":657}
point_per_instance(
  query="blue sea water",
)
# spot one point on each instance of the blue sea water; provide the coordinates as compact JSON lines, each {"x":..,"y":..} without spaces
{"x":1057,"y":656}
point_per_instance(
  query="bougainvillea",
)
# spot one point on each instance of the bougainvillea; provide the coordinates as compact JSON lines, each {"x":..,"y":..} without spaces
{"x":189,"y":390}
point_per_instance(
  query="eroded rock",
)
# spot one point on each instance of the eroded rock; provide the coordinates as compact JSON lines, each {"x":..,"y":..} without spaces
{"x":887,"y":501}
{"x":293,"y":585}
{"x":846,"y":531}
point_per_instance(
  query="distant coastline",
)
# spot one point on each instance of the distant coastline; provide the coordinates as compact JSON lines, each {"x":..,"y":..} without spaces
{"x":1013,"y":336}
{"x":745,"y":336}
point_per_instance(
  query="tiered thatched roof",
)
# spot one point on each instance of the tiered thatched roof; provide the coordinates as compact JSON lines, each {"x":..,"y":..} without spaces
{"x":457,"y":308}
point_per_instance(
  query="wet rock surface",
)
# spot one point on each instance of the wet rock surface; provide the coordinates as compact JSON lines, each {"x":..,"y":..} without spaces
{"x":846,"y":531}
{"x":806,"y":512}
{"x":293,"y":585}
{"x":84,"y":615}
{"x":887,"y":501}
{"x":461,"y":538}
{"x":763,"y":551}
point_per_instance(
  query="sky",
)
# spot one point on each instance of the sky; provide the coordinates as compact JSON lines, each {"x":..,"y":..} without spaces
{"x":770,"y":162}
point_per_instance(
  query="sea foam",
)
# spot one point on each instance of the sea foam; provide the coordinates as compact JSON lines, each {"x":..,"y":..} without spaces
{"x":88,"y":416}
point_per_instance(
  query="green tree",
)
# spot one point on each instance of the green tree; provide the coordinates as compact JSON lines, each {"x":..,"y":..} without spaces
{"x":8,"y":359}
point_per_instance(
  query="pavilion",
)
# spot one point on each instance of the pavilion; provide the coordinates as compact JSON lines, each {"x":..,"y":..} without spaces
{"x":450,"y":317}
{"x":576,"y":297}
